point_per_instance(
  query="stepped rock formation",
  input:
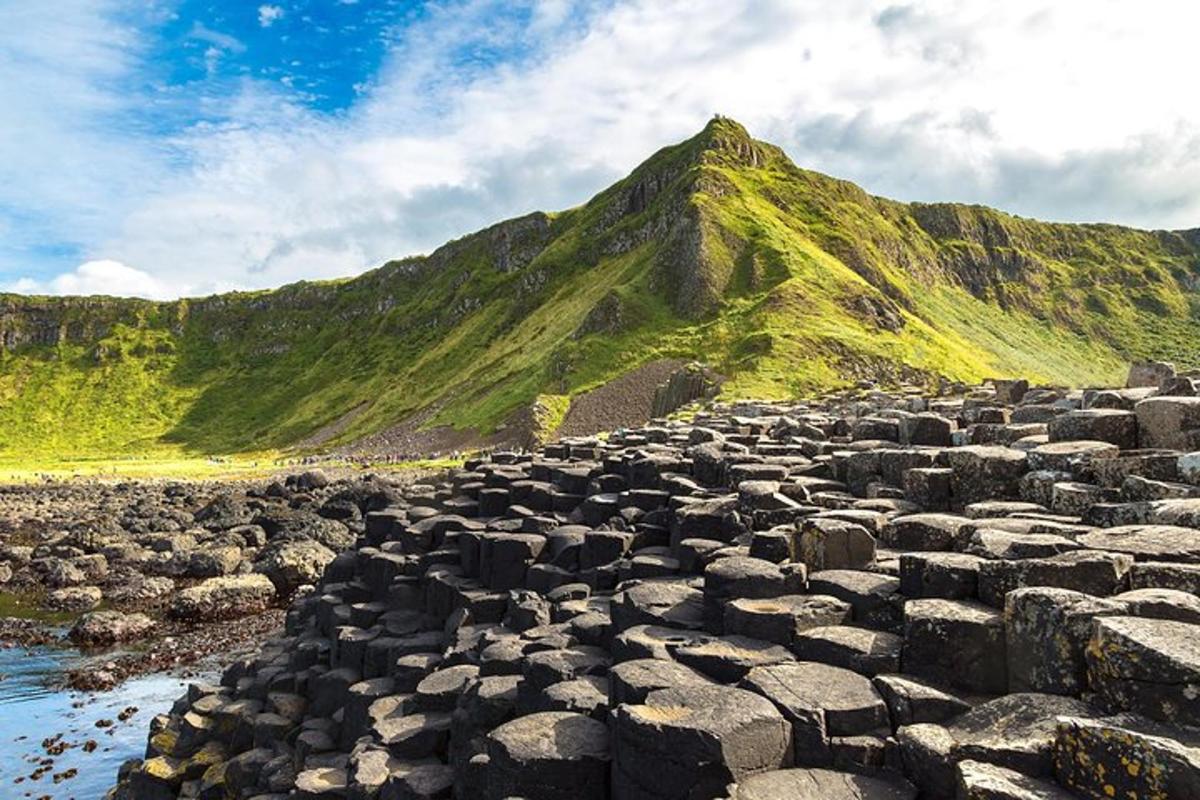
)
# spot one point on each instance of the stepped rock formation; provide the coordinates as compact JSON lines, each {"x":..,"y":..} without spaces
{"x":717,"y":250}
{"x":992,"y":595}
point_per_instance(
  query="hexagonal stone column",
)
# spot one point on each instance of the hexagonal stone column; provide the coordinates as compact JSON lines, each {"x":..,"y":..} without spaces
{"x":549,"y":756}
{"x":821,"y":702}
{"x":692,"y":743}
{"x":822,"y":784}
{"x":1150,"y":666}
{"x":956,"y":641}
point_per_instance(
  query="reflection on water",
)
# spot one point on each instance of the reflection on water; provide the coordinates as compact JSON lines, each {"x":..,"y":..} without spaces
{"x":31,"y":712}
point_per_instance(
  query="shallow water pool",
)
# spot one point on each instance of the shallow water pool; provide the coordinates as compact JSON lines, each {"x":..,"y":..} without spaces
{"x":31,"y":712}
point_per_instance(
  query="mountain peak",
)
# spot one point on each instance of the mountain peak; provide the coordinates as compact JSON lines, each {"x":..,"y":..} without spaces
{"x":722,"y":142}
{"x":725,"y":140}
{"x":722,"y":129}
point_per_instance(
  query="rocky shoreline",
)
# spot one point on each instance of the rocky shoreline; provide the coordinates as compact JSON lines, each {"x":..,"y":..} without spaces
{"x":185,"y":652}
{"x":991,"y":595}
{"x":173,"y":647}
{"x":156,"y":576}
{"x":17,"y":632}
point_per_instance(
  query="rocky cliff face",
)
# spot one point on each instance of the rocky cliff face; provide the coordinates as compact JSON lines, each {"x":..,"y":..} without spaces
{"x":48,"y":322}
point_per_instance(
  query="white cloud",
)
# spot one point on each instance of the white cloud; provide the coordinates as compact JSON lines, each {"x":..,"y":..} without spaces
{"x":1066,"y":110}
{"x":99,"y":277}
{"x":63,"y":172}
{"x":217,"y":39}
{"x":268,"y":15}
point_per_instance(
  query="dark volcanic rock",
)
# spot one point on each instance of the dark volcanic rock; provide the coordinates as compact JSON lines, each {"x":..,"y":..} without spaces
{"x":990,"y":594}
{"x":694,"y":741}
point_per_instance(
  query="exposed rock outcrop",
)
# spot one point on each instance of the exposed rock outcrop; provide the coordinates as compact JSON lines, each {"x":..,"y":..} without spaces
{"x":875,"y":597}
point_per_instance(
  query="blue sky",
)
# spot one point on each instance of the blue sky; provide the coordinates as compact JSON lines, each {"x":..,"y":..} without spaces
{"x":179,"y":147}
{"x":324,"y":52}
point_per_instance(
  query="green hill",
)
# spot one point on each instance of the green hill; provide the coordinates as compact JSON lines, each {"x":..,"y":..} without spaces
{"x":719,"y":249}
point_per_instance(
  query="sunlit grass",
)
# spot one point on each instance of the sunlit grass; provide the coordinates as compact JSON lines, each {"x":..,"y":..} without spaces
{"x":151,"y":465}
{"x":174,"y":467}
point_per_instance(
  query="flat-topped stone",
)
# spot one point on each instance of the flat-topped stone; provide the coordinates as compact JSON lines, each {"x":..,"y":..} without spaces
{"x":547,"y":756}
{"x":821,"y":702}
{"x":1150,"y":666}
{"x":821,"y":784}
{"x":1148,"y":542}
{"x":694,"y":742}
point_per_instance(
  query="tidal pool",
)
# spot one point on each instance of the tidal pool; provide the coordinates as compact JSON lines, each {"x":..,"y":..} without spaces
{"x":32,"y":712}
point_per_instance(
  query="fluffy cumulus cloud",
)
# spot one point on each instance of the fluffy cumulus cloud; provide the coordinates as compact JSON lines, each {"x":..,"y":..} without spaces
{"x":99,"y":277}
{"x":1060,"y":109}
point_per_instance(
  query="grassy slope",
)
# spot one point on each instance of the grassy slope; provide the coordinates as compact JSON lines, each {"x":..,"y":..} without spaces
{"x":719,"y":249}
{"x":115,"y":396}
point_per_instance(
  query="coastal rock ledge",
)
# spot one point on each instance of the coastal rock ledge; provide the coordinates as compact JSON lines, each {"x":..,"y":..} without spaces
{"x":988,"y":594}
